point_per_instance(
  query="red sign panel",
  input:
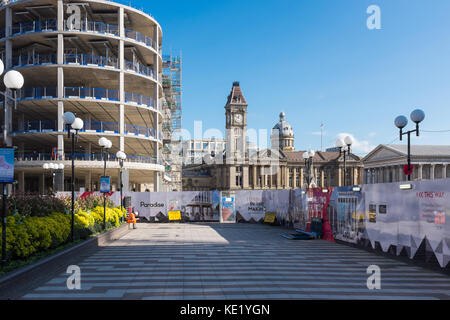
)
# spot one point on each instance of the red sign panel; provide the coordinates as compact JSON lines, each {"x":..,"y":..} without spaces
{"x":408,"y":171}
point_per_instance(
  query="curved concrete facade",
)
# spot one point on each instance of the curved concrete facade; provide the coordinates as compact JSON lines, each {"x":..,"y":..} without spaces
{"x":98,"y":59}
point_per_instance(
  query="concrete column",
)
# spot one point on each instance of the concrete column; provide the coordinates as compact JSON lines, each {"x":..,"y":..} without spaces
{"x":21,"y":180}
{"x":224,"y":178}
{"x":294,"y":178}
{"x":279,"y":178}
{"x":245,"y":177}
{"x":232,"y":177}
{"x":60,"y":74}
{"x":286,"y":177}
{"x":155,"y":181}
{"x":156,"y":70}
{"x":254,"y":177}
{"x":444,"y":171}
{"x":340,"y":177}
{"x":301,"y":177}
{"x":122,"y":81}
{"x":7,"y":64}
{"x":419,"y":172}
{"x":322,"y":178}
{"x":433,"y":166}
{"x":42,"y":183}
{"x":88,"y":181}
{"x":126,"y":180}
{"x":89,"y":150}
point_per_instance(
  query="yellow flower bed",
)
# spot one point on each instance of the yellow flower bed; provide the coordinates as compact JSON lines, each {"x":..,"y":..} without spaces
{"x":28,"y":235}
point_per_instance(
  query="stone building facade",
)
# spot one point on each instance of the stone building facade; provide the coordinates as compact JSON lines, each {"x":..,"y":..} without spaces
{"x":385,"y":163}
{"x":280,"y":167}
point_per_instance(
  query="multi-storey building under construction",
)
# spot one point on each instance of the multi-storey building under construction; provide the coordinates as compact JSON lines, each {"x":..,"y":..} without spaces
{"x":100,"y":60}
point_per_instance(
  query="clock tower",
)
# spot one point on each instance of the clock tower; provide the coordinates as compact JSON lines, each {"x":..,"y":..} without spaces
{"x":236,"y":122}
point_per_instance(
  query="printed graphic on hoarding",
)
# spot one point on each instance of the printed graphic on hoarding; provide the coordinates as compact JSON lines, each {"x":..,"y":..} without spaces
{"x":346,"y":213}
{"x":193,"y":205}
{"x":380,"y":213}
{"x":227,"y":207}
{"x":252,"y":205}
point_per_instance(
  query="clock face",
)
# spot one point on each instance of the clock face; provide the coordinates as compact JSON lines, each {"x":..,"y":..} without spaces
{"x":238,"y":117}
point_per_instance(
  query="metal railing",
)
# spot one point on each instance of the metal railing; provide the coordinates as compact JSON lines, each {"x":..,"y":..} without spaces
{"x":81,"y":59}
{"x":85,"y":26}
{"x":80,"y":157}
{"x":34,"y":26}
{"x":39,"y":126}
{"x":84,"y":93}
{"x":89,"y":59}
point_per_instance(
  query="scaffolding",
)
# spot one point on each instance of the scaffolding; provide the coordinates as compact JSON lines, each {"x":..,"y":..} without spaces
{"x":171,"y":109}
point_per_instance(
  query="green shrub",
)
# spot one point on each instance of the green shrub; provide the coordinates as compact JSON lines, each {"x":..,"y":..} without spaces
{"x":37,"y":224}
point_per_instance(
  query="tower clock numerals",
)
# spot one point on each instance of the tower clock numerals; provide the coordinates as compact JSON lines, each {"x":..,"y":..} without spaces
{"x":238,"y":118}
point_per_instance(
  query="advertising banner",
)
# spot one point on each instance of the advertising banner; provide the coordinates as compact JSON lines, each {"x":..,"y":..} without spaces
{"x":7,"y":165}
{"x":227,"y":207}
{"x":105,"y":184}
{"x":193,"y":205}
{"x":346,"y":212}
{"x":407,"y":218}
{"x":252,"y":205}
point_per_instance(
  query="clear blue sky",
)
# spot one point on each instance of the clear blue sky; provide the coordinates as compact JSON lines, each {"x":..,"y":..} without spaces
{"x":317,"y":61}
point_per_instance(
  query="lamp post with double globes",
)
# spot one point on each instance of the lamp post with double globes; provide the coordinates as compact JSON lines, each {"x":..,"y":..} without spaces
{"x":13,"y":81}
{"x":105,"y":144}
{"x":345,"y":147}
{"x":308,"y":157}
{"x":121,"y":156}
{"x":74,"y":125}
{"x":417,"y":116}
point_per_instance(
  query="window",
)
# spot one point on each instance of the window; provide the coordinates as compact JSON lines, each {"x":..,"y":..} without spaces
{"x":205,"y":145}
{"x":290,"y":182}
{"x":297,"y":170}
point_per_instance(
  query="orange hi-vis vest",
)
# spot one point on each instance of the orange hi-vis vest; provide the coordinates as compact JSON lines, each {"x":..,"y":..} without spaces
{"x":131,"y":218}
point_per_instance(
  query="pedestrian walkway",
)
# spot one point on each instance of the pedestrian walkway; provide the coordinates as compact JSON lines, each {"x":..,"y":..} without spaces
{"x":237,"y":261}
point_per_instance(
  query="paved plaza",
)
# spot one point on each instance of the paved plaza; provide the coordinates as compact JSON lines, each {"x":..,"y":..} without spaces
{"x":236,"y":261}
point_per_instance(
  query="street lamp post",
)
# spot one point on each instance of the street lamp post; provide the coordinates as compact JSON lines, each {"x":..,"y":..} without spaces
{"x":73,"y":124}
{"x":105,"y":144}
{"x":345,"y":147}
{"x":121,"y":156}
{"x":14,"y":81}
{"x":308,"y":157}
{"x":417,"y":117}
